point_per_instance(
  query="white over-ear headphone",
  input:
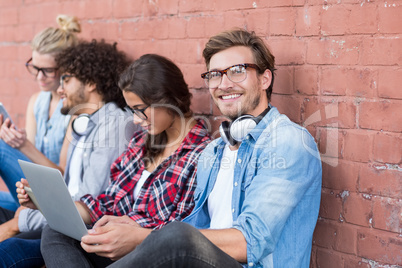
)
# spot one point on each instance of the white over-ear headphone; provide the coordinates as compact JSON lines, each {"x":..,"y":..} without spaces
{"x":237,"y":130}
{"x":80,"y":124}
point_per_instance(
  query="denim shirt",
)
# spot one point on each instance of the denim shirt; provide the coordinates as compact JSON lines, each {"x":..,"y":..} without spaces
{"x":50,"y":132}
{"x":276,"y":191}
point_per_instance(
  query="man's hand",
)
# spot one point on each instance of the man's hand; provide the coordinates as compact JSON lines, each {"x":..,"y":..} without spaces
{"x":23,"y":197}
{"x":10,"y":228}
{"x":114,"y":237}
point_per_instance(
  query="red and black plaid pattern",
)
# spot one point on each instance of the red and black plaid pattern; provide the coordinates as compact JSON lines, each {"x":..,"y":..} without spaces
{"x":166,"y":195}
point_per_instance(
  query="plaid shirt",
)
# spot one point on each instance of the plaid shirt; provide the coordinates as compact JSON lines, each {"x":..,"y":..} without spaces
{"x":167,"y":194}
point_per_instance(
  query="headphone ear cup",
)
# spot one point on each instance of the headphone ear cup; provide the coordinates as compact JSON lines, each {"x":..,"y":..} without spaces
{"x":243,"y":125}
{"x":80,"y":124}
{"x":224,"y":130}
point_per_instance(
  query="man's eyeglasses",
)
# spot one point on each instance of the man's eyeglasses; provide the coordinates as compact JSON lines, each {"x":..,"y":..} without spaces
{"x":63,"y":78}
{"x":139,"y":112}
{"x":236,"y":73}
{"x":34,"y":70}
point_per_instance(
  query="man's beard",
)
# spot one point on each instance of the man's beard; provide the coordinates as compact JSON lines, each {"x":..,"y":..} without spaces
{"x":243,"y":110}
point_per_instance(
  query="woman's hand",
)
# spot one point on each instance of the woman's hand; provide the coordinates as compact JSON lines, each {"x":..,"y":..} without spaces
{"x":14,"y":137}
{"x":23,"y":197}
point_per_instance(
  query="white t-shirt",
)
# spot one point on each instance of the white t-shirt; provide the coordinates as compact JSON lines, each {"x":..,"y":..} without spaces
{"x":220,"y":198}
{"x":76,"y":167}
{"x":144,"y":176}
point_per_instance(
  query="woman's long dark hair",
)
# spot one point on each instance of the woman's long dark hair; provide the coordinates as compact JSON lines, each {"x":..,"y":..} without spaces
{"x":157,"y":80}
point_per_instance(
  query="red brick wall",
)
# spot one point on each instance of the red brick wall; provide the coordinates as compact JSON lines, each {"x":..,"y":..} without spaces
{"x":339,"y":74}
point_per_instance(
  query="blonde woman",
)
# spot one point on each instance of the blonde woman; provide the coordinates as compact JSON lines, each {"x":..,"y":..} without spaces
{"x":45,"y":128}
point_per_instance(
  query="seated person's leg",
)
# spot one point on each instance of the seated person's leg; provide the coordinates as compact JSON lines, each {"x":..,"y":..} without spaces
{"x":68,"y":251}
{"x":6,"y":215}
{"x":10,"y":170}
{"x":177,"y":244}
{"x":25,"y":253}
{"x":7,"y":201}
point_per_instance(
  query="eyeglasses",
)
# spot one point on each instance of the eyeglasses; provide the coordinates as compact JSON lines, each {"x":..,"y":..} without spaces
{"x":139,"y":112}
{"x":236,"y":73}
{"x":63,"y":78}
{"x":34,"y":70}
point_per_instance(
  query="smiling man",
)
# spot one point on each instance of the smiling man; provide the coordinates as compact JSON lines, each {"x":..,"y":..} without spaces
{"x":258,"y":186}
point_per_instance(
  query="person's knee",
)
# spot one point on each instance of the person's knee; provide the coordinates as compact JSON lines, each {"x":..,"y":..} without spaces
{"x":181,"y":235}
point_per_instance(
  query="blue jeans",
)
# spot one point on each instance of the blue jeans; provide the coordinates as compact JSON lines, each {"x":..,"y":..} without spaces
{"x":177,"y":244}
{"x":10,"y":172}
{"x":16,"y":253}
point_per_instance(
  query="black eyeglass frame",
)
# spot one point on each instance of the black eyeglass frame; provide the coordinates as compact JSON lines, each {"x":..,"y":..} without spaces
{"x":139,"y":112}
{"x":224,"y":71}
{"x":64,"y":76}
{"x":45,"y":71}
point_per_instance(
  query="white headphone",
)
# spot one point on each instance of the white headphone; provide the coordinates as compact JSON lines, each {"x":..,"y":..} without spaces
{"x":80,"y":124}
{"x":237,"y":130}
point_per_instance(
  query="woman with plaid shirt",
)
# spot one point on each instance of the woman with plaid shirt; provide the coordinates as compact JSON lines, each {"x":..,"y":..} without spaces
{"x":152,"y":182}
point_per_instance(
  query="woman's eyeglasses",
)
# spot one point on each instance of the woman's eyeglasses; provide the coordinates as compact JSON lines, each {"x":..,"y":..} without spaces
{"x":139,"y":112}
{"x":34,"y":70}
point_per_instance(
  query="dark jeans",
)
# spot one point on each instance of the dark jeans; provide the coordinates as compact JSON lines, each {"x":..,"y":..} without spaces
{"x":23,"y":250}
{"x":59,"y":251}
{"x":176,"y":245}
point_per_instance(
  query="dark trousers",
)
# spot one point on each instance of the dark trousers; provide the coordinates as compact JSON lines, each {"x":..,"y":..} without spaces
{"x":6,"y":215}
{"x":177,"y":245}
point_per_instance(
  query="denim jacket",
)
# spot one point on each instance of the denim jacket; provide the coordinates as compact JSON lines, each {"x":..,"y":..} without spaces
{"x":276,"y":191}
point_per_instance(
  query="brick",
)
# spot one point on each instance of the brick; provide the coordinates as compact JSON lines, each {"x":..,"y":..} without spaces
{"x":357,"y":145}
{"x":194,"y":6}
{"x":192,"y":75}
{"x":7,"y":33}
{"x":234,"y":5}
{"x":308,"y":21}
{"x":102,"y":30}
{"x":187,"y":51}
{"x":196,"y":27}
{"x":340,"y":50}
{"x":201,"y":102}
{"x":24,"y":33}
{"x":330,"y":145}
{"x":306,"y":80}
{"x":8,"y":52}
{"x":324,"y":234}
{"x":9,"y":16}
{"x":139,"y":30}
{"x":288,"y":51}
{"x":383,"y":182}
{"x":233,"y":19}
{"x":211,"y":23}
{"x":329,"y":259}
{"x":354,"y":262}
{"x":389,"y":18}
{"x":381,"y":115}
{"x":381,"y":51}
{"x":362,"y":19}
{"x":177,"y":28}
{"x":258,"y":21}
{"x":96,"y":9}
{"x":344,"y":176}
{"x":385,"y":148}
{"x":346,"y":238}
{"x":168,"y":7}
{"x":389,"y":81}
{"x":327,"y":112}
{"x":45,"y":14}
{"x":283,"y":82}
{"x":334,"y":13}
{"x":282,"y":21}
{"x":340,"y":81}
{"x":126,"y":9}
{"x":289,"y":105}
{"x":357,"y":209}
{"x":331,"y":205}
{"x":379,"y":246}
{"x":386,"y":214}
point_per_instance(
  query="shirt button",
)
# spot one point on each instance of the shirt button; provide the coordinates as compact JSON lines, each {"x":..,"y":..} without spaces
{"x":45,"y":139}
{"x":232,"y":210}
{"x":250,"y":264}
{"x":239,"y":160}
{"x":85,"y":154}
{"x":235,"y":184}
